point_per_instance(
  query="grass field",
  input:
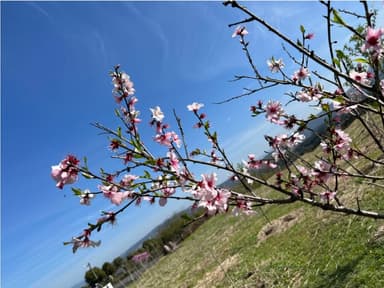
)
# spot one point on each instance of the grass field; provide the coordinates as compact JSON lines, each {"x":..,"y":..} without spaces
{"x":284,"y":246}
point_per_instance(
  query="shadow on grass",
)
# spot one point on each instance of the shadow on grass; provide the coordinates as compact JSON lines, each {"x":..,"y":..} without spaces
{"x":339,"y":276}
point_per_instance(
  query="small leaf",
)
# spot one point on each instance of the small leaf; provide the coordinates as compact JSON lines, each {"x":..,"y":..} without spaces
{"x":119,"y":132}
{"x":340,"y":54}
{"x":339,"y":99}
{"x":337,"y":62}
{"x":86,"y":175}
{"x":147,"y":175}
{"x":325,"y":107}
{"x":302,"y":29}
{"x":361,"y":60}
{"x":337,"y":18}
{"x":77,"y":191}
{"x":117,"y":112}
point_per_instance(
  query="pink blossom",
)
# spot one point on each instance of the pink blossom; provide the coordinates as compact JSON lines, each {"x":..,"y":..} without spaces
{"x":128,"y":179}
{"x":83,"y":241}
{"x":65,"y":172}
{"x":157,"y":114}
{"x":303,"y":171}
{"x":274,"y":111}
{"x":195,"y":106}
{"x":359,"y":76}
{"x":322,"y":171}
{"x":164,"y":139}
{"x":112,"y":193}
{"x":85,"y":199}
{"x":303,"y":96}
{"x":173,"y":161}
{"x":342,"y":142}
{"x":341,"y":108}
{"x":327,"y":196}
{"x":176,"y":139}
{"x":309,"y":36}
{"x":300,"y":74}
{"x":239,"y":31}
{"x":275,"y":65}
{"x":123,"y":83}
{"x":253,"y":163}
{"x":372,"y":39}
{"x":243,"y":207}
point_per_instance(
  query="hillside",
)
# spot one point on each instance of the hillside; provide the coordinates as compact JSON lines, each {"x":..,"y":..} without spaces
{"x":283,"y":246}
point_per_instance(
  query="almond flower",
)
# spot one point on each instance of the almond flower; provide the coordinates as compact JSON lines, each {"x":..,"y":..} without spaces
{"x":83,"y":241}
{"x":65,"y":172}
{"x":309,"y":36}
{"x":300,"y":74}
{"x":195,"y":106}
{"x":275,"y":65}
{"x":85,"y":199}
{"x":239,"y":31}
{"x":157,"y":114}
{"x":327,"y":196}
{"x":361,"y":77}
{"x":273,"y":111}
{"x":372,"y":39}
{"x":123,"y":83}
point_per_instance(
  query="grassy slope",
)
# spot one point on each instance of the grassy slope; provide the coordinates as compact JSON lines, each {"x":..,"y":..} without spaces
{"x":314,"y":248}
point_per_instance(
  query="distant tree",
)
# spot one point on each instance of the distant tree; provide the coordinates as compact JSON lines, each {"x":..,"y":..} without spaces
{"x":153,"y":246}
{"x":95,"y":275}
{"x":118,"y":262}
{"x":109,"y":268}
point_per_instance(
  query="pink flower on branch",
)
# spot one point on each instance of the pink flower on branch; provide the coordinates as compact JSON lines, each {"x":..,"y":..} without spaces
{"x":112,"y":193}
{"x":372,"y":40}
{"x":274,"y":111}
{"x":300,"y":74}
{"x":309,"y":36}
{"x":195,"y":106}
{"x":83,"y":241}
{"x":239,"y":31}
{"x":65,"y":172}
{"x":85,"y":199}
{"x":275,"y":65}
{"x":157,"y":114}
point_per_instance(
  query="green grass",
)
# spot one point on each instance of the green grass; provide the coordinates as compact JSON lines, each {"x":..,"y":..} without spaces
{"x":321,"y":249}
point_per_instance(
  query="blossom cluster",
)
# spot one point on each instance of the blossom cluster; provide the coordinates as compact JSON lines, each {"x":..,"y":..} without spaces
{"x":65,"y":172}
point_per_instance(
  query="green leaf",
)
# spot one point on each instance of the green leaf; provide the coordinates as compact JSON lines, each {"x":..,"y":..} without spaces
{"x":77,"y":191}
{"x":86,"y":175}
{"x":302,"y":29}
{"x":337,"y":62}
{"x":337,"y":18}
{"x":340,"y":54}
{"x":361,"y":60}
{"x":117,"y":112}
{"x":85,"y":160}
{"x":339,"y":99}
{"x":119,"y":132}
{"x":147,"y":175}
{"x":325,"y":107}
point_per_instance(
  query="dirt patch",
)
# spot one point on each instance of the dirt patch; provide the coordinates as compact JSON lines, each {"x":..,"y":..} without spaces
{"x":218,"y":274}
{"x":279,"y":225}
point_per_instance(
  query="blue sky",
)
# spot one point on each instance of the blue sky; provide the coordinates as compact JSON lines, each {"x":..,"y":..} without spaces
{"x":55,"y":62}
